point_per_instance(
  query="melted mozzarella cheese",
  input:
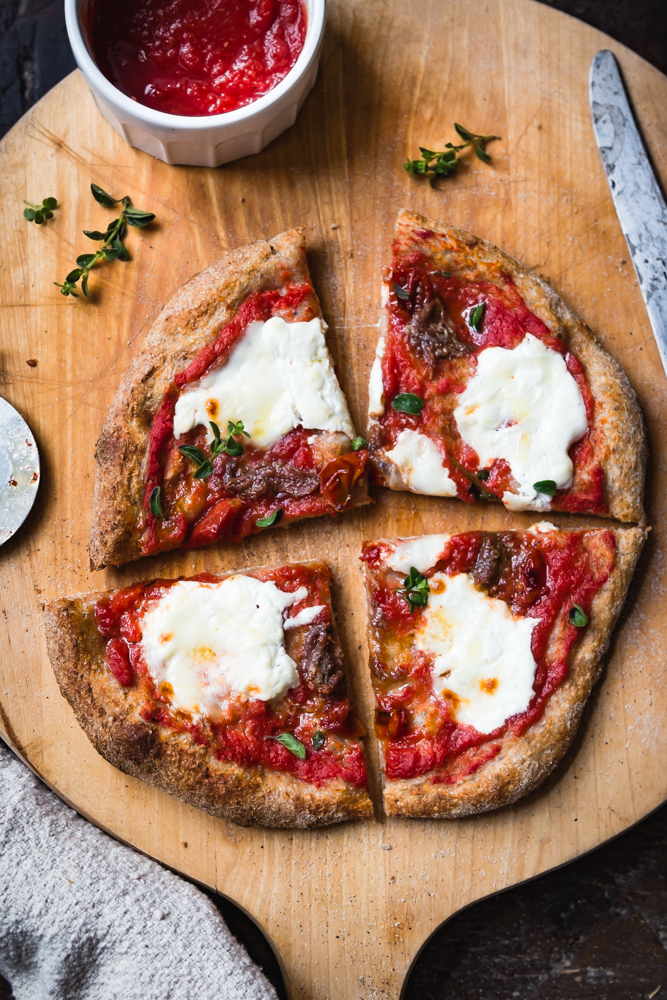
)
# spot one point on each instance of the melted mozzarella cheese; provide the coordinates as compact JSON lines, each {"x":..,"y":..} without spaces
{"x":483,"y":663}
{"x":422,"y":553}
{"x":375,"y":386}
{"x":278,"y":376}
{"x":420,"y":464}
{"x":524,"y":406}
{"x":210,"y":642}
{"x":304,"y":617}
{"x":542,"y":527}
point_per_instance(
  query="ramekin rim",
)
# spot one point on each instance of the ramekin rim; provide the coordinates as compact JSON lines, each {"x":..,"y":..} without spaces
{"x":153,"y":118}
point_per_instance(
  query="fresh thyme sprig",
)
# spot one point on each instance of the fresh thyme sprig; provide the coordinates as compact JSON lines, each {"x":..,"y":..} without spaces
{"x":440,"y":164}
{"x":415,"y":589}
{"x":112,"y":247}
{"x":228,"y":445}
{"x":39,"y":213}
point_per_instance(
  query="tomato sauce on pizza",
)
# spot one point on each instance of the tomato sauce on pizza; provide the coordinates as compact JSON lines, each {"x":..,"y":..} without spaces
{"x":245,"y":487}
{"x":467,"y":651}
{"x":439,"y":401}
{"x":307,"y":728}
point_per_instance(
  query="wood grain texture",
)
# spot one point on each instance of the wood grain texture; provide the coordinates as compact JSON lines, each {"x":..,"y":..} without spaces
{"x":346,"y":913}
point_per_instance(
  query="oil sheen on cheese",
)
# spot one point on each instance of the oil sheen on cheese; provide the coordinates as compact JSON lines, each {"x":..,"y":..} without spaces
{"x":523,"y":405}
{"x":483,"y":662}
{"x":419,"y":462}
{"x":279,"y":376}
{"x":422,"y":553}
{"x":211,"y":642}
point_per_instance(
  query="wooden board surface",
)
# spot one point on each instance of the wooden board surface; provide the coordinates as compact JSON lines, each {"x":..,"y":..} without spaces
{"x":349,"y":907}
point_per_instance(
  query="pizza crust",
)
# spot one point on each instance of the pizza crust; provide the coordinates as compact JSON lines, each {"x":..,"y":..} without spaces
{"x":190,"y":320}
{"x":623,"y":454}
{"x":526,"y":760}
{"x":173,"y":762}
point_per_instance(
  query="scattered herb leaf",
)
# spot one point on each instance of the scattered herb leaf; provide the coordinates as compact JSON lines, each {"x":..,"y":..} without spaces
{"x":271,"y":519}
{"x":440,"y":164}
{"x":194,"y":454}
{"x":156,"y":503}
{"x":408,"y":402}
{"x":358,"y":443}
{"x":219,"y":446}
{"x":415,"y":589}
{"x":293,"y":745}
{"x":402,"y":293}
{"x":204,"y":465}
{"x":228,"y":445}
{"x":476,"y":316}
{"x":546,"y":486}
{"x":476,"y":479}
{"x":578,"y":616}
{"x":40,"y":213}
{"x":112,"y":247}
{"x":318,"y":740}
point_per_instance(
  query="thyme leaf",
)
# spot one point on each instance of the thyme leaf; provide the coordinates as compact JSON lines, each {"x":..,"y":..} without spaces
{"x":112,"y":247}
{"x":546,"y":486}
{"x":578,"y":616}
{"x":415,"y":589}
{"x":293,"y":745}
{"x":40,"y":213}
{"x":435,"y":164}
{"x":270,"y":519}
{"x":408,"y":402}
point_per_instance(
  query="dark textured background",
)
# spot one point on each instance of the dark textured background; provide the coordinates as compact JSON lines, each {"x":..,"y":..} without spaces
{"x":595,"y":930}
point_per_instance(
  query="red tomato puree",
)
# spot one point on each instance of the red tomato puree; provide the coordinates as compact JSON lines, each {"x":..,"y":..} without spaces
{"x":245,"y":730}
{"x":197,"y":57}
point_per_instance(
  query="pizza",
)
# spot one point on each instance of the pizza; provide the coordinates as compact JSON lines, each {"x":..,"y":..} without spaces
{"x":228,"y":692}
{"x":230,"y":420}
{"x":484,"y":649}
{"x":486,"y":385}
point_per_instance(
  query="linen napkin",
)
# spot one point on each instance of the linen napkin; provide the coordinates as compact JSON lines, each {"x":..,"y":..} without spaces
{"x":85,"y":918}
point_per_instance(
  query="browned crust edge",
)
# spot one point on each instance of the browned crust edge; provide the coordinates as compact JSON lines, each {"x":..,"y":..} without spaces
{"x":172,"y":762}
{"x":525,"y":761}
{"x":625,"y":451}
{"x":188,"y":321}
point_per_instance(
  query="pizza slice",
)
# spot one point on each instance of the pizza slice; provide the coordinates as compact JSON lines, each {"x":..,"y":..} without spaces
{"x":230,"y":420}
{"x":228,"y":692}
{"x":484,"y":649}
{"x":485,"y":384}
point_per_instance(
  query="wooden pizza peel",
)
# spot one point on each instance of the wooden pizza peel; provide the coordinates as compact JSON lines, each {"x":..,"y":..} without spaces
{"x":348,"y":907}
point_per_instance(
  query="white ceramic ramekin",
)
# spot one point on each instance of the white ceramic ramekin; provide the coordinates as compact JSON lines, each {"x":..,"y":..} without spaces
{"x":203,"y":142}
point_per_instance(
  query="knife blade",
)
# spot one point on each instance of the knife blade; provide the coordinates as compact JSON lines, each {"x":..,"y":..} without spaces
{"x":635,"y":191}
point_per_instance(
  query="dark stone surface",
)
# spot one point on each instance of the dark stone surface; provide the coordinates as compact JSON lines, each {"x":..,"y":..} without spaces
{"x":34,"y":54}
{"x":595,"y":930}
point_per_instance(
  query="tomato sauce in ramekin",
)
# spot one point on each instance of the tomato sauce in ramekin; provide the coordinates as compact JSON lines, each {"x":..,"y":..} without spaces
{"x":197,"y":57}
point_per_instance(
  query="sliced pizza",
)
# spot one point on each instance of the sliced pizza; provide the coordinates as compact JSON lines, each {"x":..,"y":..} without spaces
{"x":228,"y":692}
{"x":484,"y":649}
{"x":486,"y":385}
{"x":230,"y":420}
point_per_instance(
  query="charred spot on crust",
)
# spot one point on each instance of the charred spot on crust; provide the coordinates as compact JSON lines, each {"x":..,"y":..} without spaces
{"x":320,"y":663}
{"x":433,"y":335}
{"x":140,"y":743}
{"x":274,"y":479}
